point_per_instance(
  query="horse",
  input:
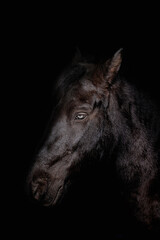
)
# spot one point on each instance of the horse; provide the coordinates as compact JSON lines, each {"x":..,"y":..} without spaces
{"x":101,"y":117}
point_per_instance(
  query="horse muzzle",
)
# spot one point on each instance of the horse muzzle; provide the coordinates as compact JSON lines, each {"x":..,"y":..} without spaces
{"x":45,"y":190}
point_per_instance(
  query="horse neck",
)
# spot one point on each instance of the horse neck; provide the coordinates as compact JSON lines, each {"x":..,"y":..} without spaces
{"x":132,"y":120}
{"x":130,"y":110}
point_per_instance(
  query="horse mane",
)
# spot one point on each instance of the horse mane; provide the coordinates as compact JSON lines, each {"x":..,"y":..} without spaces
{"x":69,"y":77}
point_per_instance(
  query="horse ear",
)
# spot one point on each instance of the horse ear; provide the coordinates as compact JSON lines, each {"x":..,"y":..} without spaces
{"x":113,"y":66}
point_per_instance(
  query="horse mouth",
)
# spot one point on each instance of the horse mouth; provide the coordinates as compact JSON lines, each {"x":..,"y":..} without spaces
{"x":53,"y":201}
{"x":58,"y":195}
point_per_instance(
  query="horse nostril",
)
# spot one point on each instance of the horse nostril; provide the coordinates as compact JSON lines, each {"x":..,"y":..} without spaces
{"x":39,"y":188}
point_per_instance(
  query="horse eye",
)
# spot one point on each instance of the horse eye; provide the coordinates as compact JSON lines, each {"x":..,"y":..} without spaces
{"x":80,"y":116}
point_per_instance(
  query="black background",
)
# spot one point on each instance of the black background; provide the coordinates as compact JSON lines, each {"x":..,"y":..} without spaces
{"x":39,"y":42}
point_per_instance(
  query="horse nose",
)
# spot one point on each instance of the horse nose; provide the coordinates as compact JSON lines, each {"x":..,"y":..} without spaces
{"x":39,"y":185}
